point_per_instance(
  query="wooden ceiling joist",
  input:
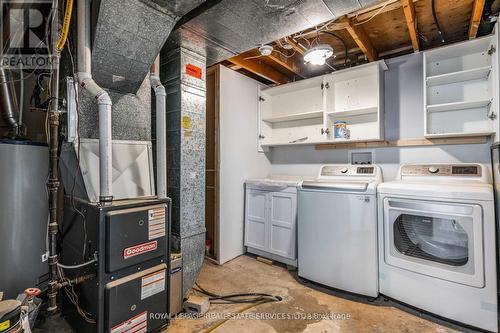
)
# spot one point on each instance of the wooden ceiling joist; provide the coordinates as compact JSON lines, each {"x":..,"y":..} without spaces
{"x":475,"y":19}
{"x":411,"y":22}
{"x":290,"y":63}
{"x":260,"y":69}
{"x":295,"y":46}
{"x":361,"y":38}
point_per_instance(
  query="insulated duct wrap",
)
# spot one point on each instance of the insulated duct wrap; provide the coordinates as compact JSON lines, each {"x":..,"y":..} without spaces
{"x":129,"y":35}
{"x":234,"y":26}
{"x":186,"y":157}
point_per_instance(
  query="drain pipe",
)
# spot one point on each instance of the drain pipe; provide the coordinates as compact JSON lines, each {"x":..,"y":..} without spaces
{"x":161,"y":130}
{"x":102,"y":99}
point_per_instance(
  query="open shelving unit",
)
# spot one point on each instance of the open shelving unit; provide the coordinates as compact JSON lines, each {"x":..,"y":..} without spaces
{"x":304,"y":112}
{"x":460,"y":89}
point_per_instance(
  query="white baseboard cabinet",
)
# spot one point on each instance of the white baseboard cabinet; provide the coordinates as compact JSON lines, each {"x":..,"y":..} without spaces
{"x":271,"y":223}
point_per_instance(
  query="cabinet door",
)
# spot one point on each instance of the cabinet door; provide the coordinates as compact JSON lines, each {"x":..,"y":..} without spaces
{"x":282,"y":224}
{"x":256,"y":217}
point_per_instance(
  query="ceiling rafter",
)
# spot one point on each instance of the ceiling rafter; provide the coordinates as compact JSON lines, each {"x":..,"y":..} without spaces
{"x":361,"y":38}
{"x":411,"y":22}
{"x":475,"y":19}
{"x":295,"y":46}
{"x":291,"y":63}
{"x":260,"y":69}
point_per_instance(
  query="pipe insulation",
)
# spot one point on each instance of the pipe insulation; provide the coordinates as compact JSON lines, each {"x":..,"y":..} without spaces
{"x":161,"y":130}
{"x":102,"y":99}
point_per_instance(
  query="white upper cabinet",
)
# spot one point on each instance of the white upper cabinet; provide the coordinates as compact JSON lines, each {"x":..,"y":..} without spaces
{"x":356,"y":97}
{"x":305,"y":112}
{"x":461,"y":89}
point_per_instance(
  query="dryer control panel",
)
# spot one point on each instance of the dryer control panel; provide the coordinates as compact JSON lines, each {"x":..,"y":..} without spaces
{"x":346,"y":170}
{"x":473,"y":170}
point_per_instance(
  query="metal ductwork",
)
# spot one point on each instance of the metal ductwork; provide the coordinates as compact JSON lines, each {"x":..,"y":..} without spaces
{"x":234,"y":26}
{"x":124,"y":49}
{"x":9,"y":107}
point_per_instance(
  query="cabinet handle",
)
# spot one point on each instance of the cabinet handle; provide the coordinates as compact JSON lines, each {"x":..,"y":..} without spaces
{"x":261,"y":136}
{"x":323,"y":131}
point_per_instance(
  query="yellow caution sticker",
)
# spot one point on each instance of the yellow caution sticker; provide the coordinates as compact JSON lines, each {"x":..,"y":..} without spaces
{"x":4,"y":325}
{"x":186,"y":122}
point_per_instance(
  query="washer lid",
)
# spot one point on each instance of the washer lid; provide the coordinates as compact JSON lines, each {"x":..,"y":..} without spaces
{"x":470,"y":191}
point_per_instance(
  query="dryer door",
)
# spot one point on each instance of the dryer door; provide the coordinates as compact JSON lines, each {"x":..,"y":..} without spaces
{"x":443,"y":240}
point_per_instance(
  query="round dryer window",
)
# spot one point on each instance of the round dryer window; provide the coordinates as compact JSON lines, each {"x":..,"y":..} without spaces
{"x":435,"y":239}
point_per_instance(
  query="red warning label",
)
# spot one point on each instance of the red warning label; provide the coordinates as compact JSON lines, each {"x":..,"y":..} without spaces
{"x":194,"y":71}
{"x":136,"y":250}
{"x":137,"y":324}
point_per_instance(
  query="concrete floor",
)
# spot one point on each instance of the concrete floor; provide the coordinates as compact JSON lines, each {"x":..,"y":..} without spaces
{"x":245,"y":274}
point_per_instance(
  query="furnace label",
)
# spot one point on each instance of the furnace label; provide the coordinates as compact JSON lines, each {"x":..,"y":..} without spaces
{"x":137,"y":324}
{"x":152,"y":284}
{"x":156,"y":223}
{"x":133,"y":251}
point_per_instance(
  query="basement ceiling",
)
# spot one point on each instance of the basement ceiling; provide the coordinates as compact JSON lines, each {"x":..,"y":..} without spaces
{"x":231,"y":27}
{"x":384,"y":30}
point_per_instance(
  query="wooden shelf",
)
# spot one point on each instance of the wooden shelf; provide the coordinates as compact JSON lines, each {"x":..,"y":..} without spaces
{"x":478,"y":139}
{"x":460,"y":76}
{"x":458,"y":106}
{"x":354,"y":112}
{"x":296,"y":116}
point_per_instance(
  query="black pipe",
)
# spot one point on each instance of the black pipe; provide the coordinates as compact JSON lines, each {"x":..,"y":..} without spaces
{"x":53,"y":182}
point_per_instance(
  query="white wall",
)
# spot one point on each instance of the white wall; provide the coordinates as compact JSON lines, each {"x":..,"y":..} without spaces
{"x":404,"y":119}
{"x":239,"y":158}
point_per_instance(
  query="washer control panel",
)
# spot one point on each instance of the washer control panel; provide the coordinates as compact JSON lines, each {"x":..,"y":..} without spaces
{"x":442,"y":170}
{"x":342,"y":170}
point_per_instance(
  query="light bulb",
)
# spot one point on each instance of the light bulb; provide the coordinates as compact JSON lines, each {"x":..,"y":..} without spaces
{"x":318,"y":54}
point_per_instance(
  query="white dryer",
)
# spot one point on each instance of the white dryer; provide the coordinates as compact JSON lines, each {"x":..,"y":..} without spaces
{"x":437,"y":241}
{"x":337,"y":228}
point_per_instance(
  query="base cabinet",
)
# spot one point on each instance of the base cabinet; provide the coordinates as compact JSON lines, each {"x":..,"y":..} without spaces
{"x":271,"y":223}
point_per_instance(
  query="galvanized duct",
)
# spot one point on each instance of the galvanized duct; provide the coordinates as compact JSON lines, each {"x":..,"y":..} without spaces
{"x":234,"y":26}
{"x":128,"y":36}
{"x":186,"y":157}
{"x":9,"y":109}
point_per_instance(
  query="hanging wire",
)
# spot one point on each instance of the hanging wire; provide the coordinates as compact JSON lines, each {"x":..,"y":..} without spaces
{"x":376,"y":13}
{"x":434,"y":16}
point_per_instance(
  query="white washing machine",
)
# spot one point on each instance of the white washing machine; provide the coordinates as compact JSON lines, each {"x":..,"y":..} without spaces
{"x":437,"y":242}
{"x":337,"y":228}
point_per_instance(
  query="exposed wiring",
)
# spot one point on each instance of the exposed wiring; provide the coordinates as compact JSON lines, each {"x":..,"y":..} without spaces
{"x":346,"y":51}
{"x":65,"y":28}
{"x":283,"y":54}
{"x":77,"y":266}
{"x":376,"y":13}
{"x":73,"y":298}
{"x":237,"y":298}
{"x":222,"y":322}
{"x":434,"y":16}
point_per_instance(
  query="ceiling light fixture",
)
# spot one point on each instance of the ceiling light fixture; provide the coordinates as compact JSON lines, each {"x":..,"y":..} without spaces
{"x":317,"y":55}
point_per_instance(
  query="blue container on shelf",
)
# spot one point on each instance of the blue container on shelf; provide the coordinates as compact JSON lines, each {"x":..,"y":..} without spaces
{"x":340,"y":130}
